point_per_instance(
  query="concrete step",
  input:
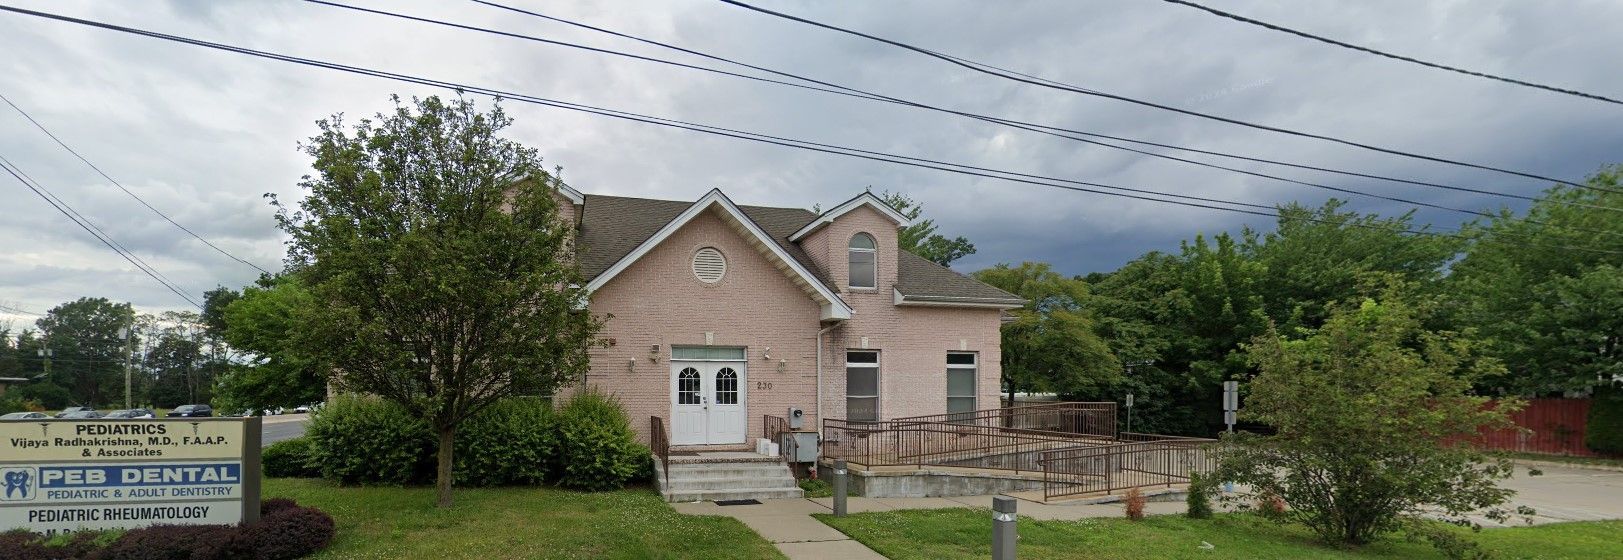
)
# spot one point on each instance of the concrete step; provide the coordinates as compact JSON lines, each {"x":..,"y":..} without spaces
{"x":690,"y":484}
{"x":734,"y":494}
{"x":730,"y":471}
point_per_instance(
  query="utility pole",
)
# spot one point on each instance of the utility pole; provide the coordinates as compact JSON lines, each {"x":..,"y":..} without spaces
{"x":124,"y":335}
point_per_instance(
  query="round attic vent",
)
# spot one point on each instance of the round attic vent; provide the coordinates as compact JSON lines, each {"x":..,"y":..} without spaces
{"x":709,"y":266}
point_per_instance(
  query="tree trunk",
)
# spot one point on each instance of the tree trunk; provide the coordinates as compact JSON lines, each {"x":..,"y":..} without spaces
{"x":442,"y":474}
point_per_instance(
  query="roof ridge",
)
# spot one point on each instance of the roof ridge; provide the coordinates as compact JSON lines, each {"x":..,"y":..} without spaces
{"x":689,"y":202}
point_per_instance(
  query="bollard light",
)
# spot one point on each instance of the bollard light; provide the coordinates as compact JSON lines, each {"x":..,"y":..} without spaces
{"x":840,"y":487}
{"x":1003,"y":529}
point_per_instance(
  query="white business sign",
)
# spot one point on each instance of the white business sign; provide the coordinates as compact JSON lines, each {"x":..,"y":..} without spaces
{"x":66,"y":475}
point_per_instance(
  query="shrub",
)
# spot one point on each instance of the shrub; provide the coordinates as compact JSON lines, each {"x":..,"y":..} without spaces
{"x":1199,"y":499}
{"x":357,"y":440}
{"x":597,"y":448}
{"x":1134,"y":504}
{"x":1364,"y":411}
{"x":511,"y":442}
{"x":45,"y":394}
{"x":288,"y":532}
{"x":20,"y":544}
{"x":1604,"y":434}
{"x":173,"y":542}
{"x":289,"y":458}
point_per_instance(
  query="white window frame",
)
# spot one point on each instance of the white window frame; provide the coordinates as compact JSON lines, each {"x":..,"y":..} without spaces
{"x":975,"y":378}
{"x":874,"y":251}
{"x":878,"y":376}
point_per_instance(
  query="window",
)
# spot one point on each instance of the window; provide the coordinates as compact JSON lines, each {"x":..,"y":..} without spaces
{"x":687,"y":386}
{"x":862,"y":385}
{"x":864,"y":267}
{"x":733,"y":354}
{"x":961,"y":382}
{"x":726,"y":386}
{"x":709,"y":265}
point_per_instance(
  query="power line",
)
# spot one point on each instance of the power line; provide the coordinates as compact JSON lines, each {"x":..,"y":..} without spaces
{"x":853,"y":92}
{"x":1059,"y":132}
{"x":120,"y":186}
{"x":718,"y":131}
{"x":1001,"y":120}
{"x":1306,"y":35}
{"x":62,"y":206}
{"x":1025,"y":78}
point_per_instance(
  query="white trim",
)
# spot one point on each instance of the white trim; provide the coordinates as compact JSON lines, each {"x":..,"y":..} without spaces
{"x":833,"y":306}
{"x":860,"y":200}
{"x":571,"y":194}
{"x":899,"y":299}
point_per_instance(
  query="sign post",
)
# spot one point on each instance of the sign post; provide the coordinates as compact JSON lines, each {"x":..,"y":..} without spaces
{"x":1129,"y":412}
{"x":65,"y":475}
{"x":1231,"y":402}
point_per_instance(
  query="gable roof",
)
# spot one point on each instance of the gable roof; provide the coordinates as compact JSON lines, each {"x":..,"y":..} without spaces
{"x":920,"y":281}
{"x":858,"y":201}
{"x":615,"y":236}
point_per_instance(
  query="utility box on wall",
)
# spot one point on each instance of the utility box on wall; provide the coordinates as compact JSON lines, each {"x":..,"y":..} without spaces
{"x":806,"y":450}
{"x":797,"y":418}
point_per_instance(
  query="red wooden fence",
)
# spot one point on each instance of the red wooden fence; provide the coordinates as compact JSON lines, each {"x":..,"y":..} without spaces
{"x":1555,"y":426}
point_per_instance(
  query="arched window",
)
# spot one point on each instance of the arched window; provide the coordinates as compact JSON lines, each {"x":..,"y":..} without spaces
{"x":726,"y":386}
{"x":687,"y":386}
{"x":864,"y":265}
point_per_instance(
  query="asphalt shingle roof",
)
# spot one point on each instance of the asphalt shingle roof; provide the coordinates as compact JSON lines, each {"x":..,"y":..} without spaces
{"x":612,"y":226}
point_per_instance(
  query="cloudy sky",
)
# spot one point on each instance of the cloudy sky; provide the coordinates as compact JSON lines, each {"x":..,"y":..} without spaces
{"x":202,"y":134}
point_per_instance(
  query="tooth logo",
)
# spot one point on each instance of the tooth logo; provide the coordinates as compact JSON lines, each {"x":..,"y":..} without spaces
{"x":18,"y":484}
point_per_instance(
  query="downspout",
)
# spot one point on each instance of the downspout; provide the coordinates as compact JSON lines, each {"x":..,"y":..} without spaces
{"x":820,"y":334}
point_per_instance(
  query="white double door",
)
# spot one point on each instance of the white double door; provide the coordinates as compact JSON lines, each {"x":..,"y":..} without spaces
{"x":707,"y":403}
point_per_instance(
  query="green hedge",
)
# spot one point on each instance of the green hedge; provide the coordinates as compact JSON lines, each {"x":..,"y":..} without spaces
{"x":513,"y":442}
{"x":598,"y":449}
{"x":588,"y":444}
{"x":359,"y":440}
{"x":1604,"y":432}
{"x":291,"y":458}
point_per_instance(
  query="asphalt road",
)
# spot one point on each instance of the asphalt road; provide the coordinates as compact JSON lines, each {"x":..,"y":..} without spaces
{"x":278,"y":428}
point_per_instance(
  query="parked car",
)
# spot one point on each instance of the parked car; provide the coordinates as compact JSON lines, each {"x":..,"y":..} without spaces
{"x":132,"y":413}
{"x":192,"y":411}
{"x":72,"y":409}
{"x":24,"y":416}
{"x":81,"y":415}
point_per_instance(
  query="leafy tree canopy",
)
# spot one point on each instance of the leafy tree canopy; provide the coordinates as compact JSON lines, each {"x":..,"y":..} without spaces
{"x":921,"y":238}
{"x":442,"y":271}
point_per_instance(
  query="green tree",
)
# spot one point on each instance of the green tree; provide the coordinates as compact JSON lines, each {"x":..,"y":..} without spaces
{"x":88,"y":353}
{"x":1550,"y":312}
{"x":1369,"y":413}
{"x":278,"y":371}
{"x":444,"y":284}
{"x":1051,"y":345}
{"x":921,"y":238}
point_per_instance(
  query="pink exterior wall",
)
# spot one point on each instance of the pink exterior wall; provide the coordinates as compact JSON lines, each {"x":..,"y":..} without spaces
{"x":657,"y":300}
{"x":912,"y":341}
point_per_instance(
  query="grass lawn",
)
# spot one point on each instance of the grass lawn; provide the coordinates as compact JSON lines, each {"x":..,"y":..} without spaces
{"x":966,"y":533}
{"x":390,"y":522}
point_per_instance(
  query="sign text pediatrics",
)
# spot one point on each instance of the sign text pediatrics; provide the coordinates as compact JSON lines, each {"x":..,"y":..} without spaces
{"x":66,"y":475}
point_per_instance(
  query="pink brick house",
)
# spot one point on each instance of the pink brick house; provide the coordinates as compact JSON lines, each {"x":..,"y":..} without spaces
{"x":720,"y":314}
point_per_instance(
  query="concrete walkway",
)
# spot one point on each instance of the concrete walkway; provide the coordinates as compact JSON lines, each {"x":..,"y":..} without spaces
{"x":788,"y":524}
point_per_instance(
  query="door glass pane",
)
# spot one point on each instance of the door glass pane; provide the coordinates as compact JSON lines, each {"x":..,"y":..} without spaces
{"x":960,"y":358}
{"x":862,"y":381}
{"x":960,"y":383}
{"x":960,"y":404}
{"x":862,"y":357}
{"x":862,"y":409}
{"x":726,"y":386}
{"x":687,"y":386}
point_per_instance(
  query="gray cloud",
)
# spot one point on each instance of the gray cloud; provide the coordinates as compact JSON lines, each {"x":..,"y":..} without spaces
{"x":202,"y":135}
